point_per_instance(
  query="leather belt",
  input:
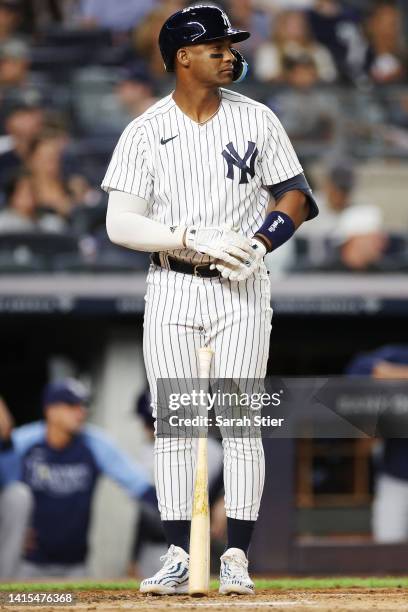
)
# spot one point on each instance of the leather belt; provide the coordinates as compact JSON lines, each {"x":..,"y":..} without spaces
{"x":177,"y":265}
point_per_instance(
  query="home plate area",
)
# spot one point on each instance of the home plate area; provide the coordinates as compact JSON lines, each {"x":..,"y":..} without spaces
{"x":333,"y":600}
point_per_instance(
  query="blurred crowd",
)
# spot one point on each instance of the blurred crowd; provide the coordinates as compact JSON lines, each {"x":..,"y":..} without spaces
{"x":73,"y":73}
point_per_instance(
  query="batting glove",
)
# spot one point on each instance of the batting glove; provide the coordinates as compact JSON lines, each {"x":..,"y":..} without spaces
{"x":247,"y":268}
{"x":221,"y":243}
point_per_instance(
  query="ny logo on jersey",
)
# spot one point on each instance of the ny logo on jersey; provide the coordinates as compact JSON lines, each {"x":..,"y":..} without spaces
{"x":233,"y":159}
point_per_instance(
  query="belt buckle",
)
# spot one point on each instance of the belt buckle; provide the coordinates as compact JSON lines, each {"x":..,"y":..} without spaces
{"x":195,"y":271}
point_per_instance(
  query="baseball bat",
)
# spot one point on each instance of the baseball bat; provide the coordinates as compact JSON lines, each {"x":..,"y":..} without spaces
{"x":199,"y":576}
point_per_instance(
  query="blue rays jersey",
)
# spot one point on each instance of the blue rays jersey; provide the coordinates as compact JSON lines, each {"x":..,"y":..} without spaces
{"x":63,"y":482}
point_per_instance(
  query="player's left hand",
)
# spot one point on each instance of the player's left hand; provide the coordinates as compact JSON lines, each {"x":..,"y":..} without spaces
{"x":222,"y":243}
{"x":245,"y":269}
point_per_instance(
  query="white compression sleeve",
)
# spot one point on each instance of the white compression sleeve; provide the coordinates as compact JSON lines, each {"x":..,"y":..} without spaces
{"x":127,"y":225}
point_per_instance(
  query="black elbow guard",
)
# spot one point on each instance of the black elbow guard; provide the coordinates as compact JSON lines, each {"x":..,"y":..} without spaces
{"x":299,"y":183}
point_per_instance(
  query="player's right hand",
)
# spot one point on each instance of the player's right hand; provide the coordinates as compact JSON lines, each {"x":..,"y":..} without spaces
{"x":6,"y":421}
{"x":221,"y":243}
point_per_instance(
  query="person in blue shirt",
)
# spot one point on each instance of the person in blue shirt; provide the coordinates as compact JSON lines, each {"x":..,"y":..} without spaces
{"x":60,"y":460}
{"x":390,"y":503}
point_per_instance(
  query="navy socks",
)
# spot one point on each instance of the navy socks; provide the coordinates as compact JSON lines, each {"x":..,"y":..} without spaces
{"x":177,"y":533}
{"x":239,"y":533}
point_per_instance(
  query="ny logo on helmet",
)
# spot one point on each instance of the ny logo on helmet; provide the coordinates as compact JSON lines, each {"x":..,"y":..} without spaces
{"x":233,"y":159}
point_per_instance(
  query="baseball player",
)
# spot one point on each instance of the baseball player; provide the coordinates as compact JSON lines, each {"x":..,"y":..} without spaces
{"x":199,"y":162}
{"x":60,"y":460}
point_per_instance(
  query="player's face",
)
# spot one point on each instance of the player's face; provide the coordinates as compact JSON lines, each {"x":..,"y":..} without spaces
{"x":212,"y":63}
{"x":67,"y":418}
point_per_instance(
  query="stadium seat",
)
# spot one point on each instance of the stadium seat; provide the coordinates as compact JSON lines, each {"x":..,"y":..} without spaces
{"x":34,"y":250}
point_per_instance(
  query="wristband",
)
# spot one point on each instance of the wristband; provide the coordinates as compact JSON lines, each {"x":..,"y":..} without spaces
{"x":277,"y":228}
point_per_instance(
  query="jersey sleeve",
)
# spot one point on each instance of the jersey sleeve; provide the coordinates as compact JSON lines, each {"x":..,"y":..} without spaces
{"x":116,"y":464}
{"x":279,"y":161}
{"x":26,"y":436}
{"x":22,"y":439}
{"x":10,"y":468}
{"x":128,"y":169}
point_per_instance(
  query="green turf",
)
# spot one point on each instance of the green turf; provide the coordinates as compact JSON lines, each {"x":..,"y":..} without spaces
{"x":276,"y":583}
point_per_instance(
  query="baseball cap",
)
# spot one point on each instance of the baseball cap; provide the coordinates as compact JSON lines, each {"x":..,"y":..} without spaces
{"x":136,"y":72}
{"x":68,"y":391}
{"x":25,"y":101}
{"x":342,"y":175}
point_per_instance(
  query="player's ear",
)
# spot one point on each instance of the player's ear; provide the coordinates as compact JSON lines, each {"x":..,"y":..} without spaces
{"x":183,"y":56}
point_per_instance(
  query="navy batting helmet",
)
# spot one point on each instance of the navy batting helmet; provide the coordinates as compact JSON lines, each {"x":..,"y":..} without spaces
{"x":195,"y":25}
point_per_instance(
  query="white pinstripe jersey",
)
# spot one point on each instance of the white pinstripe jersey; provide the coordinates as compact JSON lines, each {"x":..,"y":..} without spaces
{"x":206,"y":174}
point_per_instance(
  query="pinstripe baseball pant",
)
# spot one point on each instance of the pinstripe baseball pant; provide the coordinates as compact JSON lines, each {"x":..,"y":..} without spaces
{"x":182,"y":313}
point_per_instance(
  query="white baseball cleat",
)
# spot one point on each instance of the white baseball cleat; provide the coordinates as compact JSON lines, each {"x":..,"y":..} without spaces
{"x":172,"y":578}
{"x":234,"y":576}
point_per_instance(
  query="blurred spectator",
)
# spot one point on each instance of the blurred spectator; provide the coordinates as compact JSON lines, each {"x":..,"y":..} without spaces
{"x":106,"y":103}
{"x":116,"y":16}
{"x":390,"y":505}
{"x":361,"y":237}
{"x":81,"y":191}
{"x":15,"y":503}
{"x":338,"y":28}
{"x":362,"y":5}
{"x":16,"y":80}
{"x":396,"y":104}
{"x":292,"y":40}
{"x":134,"y":93}
{"x":23,"y":122}
{"x":61,"y":460}
{"x":355,"y":230}
{"x":14,"y":63}
{"x":21,"y":213}
{"x":45,"y":164}
{"x":41,"y":15}
{"x":10,"y":19}
{"x":246,"y":15}
{"x":334,"y":198}
{"x":387,"y":56}
{"x":282,"y":5}
{"x":146,"y":34}
{"x":60,"y":188}
{"x":323,"y":117}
